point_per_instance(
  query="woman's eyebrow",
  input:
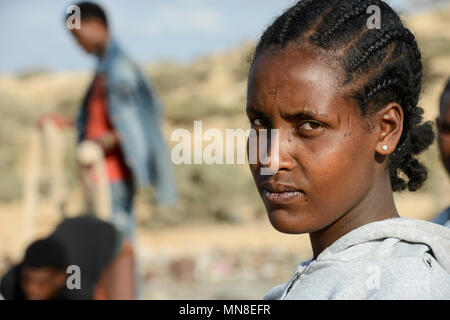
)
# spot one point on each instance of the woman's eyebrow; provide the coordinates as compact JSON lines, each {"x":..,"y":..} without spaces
{"x":303,"y":114}
{"x":254,"y":112}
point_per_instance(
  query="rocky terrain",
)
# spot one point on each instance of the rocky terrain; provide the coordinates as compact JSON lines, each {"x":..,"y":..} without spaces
{"x":217,"y":242}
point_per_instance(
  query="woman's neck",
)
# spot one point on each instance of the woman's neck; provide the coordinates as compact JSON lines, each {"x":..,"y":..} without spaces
{"x":376,"y":206}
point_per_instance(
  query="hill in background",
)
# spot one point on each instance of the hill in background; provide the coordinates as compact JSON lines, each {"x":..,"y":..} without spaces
{"x":211,"y":89}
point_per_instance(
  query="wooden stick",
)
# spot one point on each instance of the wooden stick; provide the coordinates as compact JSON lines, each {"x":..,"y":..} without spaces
{"x":91,"y":157}
{"x":31,"y":185}
{"x":55,"y":151}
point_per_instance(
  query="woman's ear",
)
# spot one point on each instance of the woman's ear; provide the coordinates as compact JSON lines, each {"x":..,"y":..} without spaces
{"x":390,"y":120}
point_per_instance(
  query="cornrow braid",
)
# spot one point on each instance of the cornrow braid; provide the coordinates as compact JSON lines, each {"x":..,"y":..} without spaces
{"x":292,"y":13}
{"x":387,"y":37}
{"x":379,"y":66}
{"x":384,"y":85}
{"x":417,"y":71}
{"x":344,"y":14}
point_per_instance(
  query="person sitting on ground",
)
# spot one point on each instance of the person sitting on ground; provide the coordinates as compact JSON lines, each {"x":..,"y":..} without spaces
{"x":96,"y":247}
{"x":41,"y":275}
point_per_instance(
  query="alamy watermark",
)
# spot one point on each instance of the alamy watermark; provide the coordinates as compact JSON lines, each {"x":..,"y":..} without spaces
{"x":229,"y":150}
{"x":374,"y":21}
{"x":73,"y":21}
{"x":374,"y":279}
{"x":74,"y":280}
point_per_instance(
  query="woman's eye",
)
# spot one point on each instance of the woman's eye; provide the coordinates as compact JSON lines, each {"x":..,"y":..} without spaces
{"x":309,"y":126}
{"x":257,"y":122}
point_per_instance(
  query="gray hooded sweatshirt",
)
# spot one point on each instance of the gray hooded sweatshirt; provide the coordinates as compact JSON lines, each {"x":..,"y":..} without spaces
{"x":396,"y":258}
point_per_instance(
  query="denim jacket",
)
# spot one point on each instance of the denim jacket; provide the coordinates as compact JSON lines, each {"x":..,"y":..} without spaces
{"x":134,"y":112}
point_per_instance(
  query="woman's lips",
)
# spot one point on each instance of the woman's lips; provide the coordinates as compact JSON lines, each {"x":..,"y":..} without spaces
{"x":284,"y":196}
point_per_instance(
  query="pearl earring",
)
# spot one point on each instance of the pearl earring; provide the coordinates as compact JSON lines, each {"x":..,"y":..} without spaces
{"x":384,"y":147}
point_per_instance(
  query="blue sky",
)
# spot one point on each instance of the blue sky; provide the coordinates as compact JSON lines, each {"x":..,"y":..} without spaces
{"x":32,"y":33}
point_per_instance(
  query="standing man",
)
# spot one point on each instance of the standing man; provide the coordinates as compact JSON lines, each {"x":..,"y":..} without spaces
{"x":121,"y":114}
{"x":443,"y":125}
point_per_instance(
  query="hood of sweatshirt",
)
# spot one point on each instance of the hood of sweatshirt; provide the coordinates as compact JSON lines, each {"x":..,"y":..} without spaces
{"x":397,"y":258}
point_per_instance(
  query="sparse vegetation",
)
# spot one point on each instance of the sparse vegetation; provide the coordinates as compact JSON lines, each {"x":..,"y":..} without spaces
{"x":211,"y":89}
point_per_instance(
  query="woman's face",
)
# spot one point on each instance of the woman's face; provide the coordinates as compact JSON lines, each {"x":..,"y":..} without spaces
{"x":326,"y":159}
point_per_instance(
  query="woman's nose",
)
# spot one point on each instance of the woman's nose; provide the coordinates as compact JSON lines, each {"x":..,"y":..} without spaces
{"x":275,"y":152}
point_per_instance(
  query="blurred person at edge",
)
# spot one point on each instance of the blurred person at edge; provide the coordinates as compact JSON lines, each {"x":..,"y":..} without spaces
{"x":121,"y":114}
{"x":443,"y":125}
{"x":40,"y":276}
{"x":44,"y":271}
{"x":94,"y":247}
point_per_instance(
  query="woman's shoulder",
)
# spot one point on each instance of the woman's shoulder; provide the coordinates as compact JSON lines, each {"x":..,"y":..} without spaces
{"x":413,"y":267}
{"x":392,"y":277}
{"x":405,"y":274}
{"x":392,"y":242}
{"x":395,"y":259}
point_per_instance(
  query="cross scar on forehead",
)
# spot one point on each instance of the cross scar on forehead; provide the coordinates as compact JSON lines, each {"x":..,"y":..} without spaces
{"x":276,"y":93}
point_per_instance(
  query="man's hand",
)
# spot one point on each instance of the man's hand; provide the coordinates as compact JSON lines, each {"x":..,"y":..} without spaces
{"x":88,"y":153}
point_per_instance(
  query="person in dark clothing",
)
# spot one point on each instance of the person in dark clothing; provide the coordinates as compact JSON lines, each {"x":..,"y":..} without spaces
{"x":91,"y":244}
{"x":95,"y":246}
{"x":41,"y":275}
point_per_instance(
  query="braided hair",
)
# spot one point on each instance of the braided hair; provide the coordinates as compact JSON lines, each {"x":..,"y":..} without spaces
{"x":382,"y":65}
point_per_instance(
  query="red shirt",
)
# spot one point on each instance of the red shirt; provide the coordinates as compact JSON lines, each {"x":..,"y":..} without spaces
{"x":97,"y":124}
